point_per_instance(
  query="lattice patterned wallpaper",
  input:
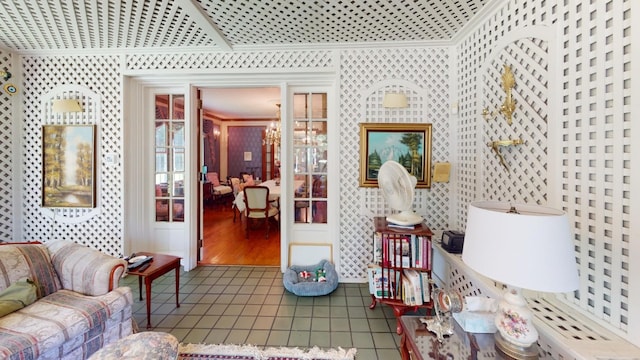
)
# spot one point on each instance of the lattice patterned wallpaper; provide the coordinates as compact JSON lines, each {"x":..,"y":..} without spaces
{"x":525,"y":177}
{"x":593,"y":131}
{"x":593,"y":185}
{"x":251,"y":61}
{"x":479,"y":173}
{"x":7,"y":165}
{"x":100,"y":74}
{"x":596,"y":152}
{"x":423,"y":75}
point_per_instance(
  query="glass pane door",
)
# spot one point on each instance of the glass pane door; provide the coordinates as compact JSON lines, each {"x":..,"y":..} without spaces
{"x":310,"y":157}
{"x":170,"y":158}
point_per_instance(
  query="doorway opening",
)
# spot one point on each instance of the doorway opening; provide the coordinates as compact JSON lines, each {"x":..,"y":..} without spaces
{"x":233,"y":123}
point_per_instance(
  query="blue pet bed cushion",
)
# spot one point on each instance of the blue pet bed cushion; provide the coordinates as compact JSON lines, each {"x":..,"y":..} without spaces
{"x":303,"y":280}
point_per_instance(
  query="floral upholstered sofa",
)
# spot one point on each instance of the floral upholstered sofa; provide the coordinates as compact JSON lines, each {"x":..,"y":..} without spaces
{"x":78,"y":305}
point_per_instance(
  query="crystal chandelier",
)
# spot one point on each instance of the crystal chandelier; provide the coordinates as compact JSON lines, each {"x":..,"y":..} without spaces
{"x":272,"y":133}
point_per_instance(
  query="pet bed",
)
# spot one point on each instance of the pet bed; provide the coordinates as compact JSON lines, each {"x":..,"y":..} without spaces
{"x":311,"y":280}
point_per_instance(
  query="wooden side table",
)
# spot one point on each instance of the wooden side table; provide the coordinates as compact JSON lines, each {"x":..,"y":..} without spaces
{"x":160,"y":265}
{"x":418,"y":343}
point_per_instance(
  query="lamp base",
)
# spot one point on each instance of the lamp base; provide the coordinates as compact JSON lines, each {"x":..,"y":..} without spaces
{"x":509,"y":350}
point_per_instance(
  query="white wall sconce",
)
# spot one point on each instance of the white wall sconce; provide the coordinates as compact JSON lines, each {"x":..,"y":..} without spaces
{"x":66,"y":105}
{"x":216,"y":134}
{"x":394,"y":100}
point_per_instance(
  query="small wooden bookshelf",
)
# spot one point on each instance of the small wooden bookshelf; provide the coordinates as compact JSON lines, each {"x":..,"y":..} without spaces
{"x":401,"y":269}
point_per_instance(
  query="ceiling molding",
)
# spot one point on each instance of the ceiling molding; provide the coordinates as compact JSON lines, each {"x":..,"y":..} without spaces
{"x":273,"y":47}
{"x":193,"y":9}
{"x":478,"y":19}
{"x":342,"y":46}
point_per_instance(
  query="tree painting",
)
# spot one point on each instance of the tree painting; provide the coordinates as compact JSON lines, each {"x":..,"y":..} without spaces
{"x":407,"y":144}
{"x":414,"y":142}
{"x":68,"y":166}
{"x":403,"y":147}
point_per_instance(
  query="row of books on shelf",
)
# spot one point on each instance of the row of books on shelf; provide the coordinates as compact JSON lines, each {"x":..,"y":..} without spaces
{"x":402,"y":251}
{"x":409,"y":285}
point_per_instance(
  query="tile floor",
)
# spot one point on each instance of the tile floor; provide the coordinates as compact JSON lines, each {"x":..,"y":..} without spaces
{"x":249,"y":305}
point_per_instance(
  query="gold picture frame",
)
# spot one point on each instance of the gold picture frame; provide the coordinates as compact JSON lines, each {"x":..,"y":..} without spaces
{"x":69,"y":166}
{"x":408,"y":144}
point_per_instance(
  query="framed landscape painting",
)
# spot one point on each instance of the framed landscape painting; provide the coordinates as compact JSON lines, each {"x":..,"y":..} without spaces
{"x":408,"y":144}
{"x":68,"y":166}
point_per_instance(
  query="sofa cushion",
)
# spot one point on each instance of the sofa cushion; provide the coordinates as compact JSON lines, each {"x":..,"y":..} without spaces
{"x":51,"y":321}
{"x":19,"y":261}
{"x":222,"y":190}
{"x":20,"y":294}
{"x":83,"y":269}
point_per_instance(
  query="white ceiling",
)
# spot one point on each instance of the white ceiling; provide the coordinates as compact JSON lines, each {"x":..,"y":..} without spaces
{"x":242,"y":103}
{"x":41,"y":26}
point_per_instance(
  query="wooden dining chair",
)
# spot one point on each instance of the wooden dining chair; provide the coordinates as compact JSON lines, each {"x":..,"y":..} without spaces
{"x":258,"y":207}
{"x":235,"y":185}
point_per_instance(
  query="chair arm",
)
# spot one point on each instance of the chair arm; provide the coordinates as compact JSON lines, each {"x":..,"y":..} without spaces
{"x":85,"y":270}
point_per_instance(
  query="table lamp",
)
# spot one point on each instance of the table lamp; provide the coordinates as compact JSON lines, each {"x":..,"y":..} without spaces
{"x":525,"y":247}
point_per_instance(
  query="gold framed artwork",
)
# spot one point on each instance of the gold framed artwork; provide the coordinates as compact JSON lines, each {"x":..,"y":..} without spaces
{"x":68,"y":166}
{"x":408,"y":144}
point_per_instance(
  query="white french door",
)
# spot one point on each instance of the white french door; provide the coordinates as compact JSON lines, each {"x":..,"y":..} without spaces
{"x":157,"y":171}
{"x":168,"y":154}
{"x":161,"y":168}
{"x":310,"y":172}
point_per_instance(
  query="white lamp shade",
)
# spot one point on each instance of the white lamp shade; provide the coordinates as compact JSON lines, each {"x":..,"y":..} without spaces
{"x":394,"y":100}
{"x":531,"y":249}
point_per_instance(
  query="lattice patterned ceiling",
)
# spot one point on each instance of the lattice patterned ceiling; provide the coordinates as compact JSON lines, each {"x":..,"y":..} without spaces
{"x":27,"y":25}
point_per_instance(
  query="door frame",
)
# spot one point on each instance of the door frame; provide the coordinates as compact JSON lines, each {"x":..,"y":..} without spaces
{"x":138,"y":234}
{"x":141,"y":231}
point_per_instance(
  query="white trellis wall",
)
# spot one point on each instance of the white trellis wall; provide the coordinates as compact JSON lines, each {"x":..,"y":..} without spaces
{"x":7,"y":164}
{"x":595,"y":155}
{"x":524,"y":179}
{"x":96,"y":82}
{"x":423,"y":75}
{"x":573,"y":94}
{"x":371,"y":202}
{"x":221,"y":62}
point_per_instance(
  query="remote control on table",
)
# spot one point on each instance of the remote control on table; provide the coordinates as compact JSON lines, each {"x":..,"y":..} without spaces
{"x":139,"y":262}
{"x":144,"y":267}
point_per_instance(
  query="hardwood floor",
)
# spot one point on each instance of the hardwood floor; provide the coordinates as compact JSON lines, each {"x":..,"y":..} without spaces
{"x":225,"y":242}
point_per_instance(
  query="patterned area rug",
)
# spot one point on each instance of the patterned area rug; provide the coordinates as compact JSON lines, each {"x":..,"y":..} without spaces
{"x":250,"y":352}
